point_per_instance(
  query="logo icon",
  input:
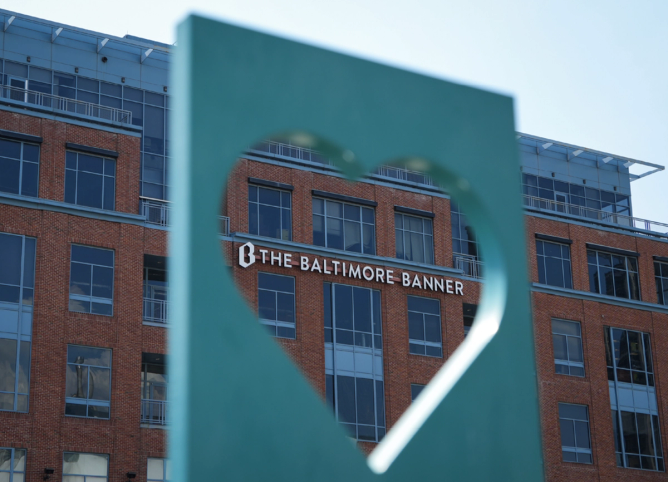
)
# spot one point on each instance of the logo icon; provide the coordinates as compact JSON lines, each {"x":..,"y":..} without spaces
{"x":246,"y":251}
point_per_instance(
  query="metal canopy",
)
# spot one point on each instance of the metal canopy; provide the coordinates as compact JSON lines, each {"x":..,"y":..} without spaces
{"x":241,"y":409}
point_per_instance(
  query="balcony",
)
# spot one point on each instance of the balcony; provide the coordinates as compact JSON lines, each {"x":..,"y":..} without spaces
{"x":470,"y":265}
{"x":156,"y":211}
{"x":595,"y":214}
{"x":154,"y":412}
{"x":52,"y":102}
{"x":156,"y":311}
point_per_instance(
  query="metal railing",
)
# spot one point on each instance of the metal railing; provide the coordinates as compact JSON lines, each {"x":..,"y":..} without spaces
{"x":288,"y":150}
{"x":404,"y":174}
{"x":156,"y":311}
{"x":594,"y":214}
{"x":224,"y":225}
{"x":64,"y":104}
{"x":155,"y":211}
{"x":469,"y":265}
{"x":154,"y":412}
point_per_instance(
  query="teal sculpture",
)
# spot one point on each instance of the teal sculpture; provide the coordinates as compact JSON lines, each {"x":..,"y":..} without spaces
{"x":254,"y":417}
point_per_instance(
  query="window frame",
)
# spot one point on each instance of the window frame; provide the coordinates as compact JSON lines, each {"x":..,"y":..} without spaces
{"x":416,"y":387}
{"x":166,"y":469}
{"x":12,"y":462}
{"x":87,"y":401}
{"x":361,"y":223}
{"x":541,"y":261}
{"x":104,"y":176}
{"x":280,"y":207}
{"x":93,"y":299}
{"x":276,"y":324}
{"x":661,"y":280}
{"x":576,"y":449}
{"x":425,"y":343}
{"x":96,"y":478}
{"x":567,"y":362}
{"x":402,"y":231}
{"x":21,"y":160}
{"x":595,"y":276}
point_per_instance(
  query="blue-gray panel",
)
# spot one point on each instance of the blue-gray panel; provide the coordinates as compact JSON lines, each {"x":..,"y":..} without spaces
{"x":583,"y":161}
{"x":38,"y":62}
{"x":9,"y":55}
{"x":20,"y":30}
{"x":624,"y":184}
{"x":608,"y":177}
{"x":530,"y":170}
{"x":553,"y":153}
{"x":113,"y":78}
{"x":153,"y":75}
{"x":529,"y":159}
{"x":609,"y":166}
{"x":583,"y":172}
{"x":115,"y":53}
{"x":90,"y":73}
{"x":124,"y":68}
{"x":526,"y":148}
{"x":66,"y":54}
{"x":563,"y":177}
{"x":153,"y":87}
{"x":60,"y":67}
{"x":550,"y":165}
{"x":607,"y":187}
{"x":132,"y":82}
{"x":2,"y":41}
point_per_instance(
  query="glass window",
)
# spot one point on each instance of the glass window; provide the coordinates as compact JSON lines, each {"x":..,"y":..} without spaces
{"x":414,"y":238}
{"x":470,"y":311}
{"x":424,"y":326}
{"x":344,"y":226}
{"x":359,"y":406}
{"x":637,"y":440}
{"x":567,"y":343}
{"x":17,"y":283}
{"x":158,"y":470}
{"x":88,"y":382}
{"x":155,"y":289}
{"x":92,"y":280}
{"x":154,"y":383}
{"x":416,"y":390}
{"x":613,"y":274}
{"x":661,"y":278}
{"x":90,"y":181}
{"x":356,"y":316}
{"x":12,"y":465}
{"x":575,"y":440}
{"x":269,"y":212}
{"x":554,"y":264}
{"x":276,"y":304}
{"x":19,"y":165}
{"x":78,"y":467}
{"x":464,"y":244}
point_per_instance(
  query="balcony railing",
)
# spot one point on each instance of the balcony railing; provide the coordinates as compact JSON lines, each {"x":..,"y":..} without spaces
{"x":288,"y":150}
{"x":224,"y":225}
{"x":154,"y":412}
{"x":469,"y":265}
{"x":155,"y":211}
{"x":156,"y":311}
{"x":55,"y":102}
{"x":405,"y":175}
{"x":595,"y":214}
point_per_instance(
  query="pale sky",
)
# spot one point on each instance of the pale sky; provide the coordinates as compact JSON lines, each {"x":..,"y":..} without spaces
{"x":592,"y":73}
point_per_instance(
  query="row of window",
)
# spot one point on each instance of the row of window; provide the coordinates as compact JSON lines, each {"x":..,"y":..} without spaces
{"x":77,"y":467}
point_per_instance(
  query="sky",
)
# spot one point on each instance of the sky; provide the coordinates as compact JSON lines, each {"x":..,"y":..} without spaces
{"x":591,"y":73}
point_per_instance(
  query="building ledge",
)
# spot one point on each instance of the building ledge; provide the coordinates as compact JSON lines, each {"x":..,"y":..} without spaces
{"x":150,"y":425}
{"x":588,"y":296}
{"x":153,"y":323}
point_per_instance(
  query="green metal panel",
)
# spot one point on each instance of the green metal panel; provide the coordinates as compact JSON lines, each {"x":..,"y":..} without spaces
{"x":241,"y":409}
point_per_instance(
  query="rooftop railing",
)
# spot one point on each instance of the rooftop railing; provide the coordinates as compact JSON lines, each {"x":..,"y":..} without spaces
{"x":155,"y":211}
{"x":595,"y":214}
{"x":154,"y":412}
{"x":55,"y":102}
{"x":156,"y":311}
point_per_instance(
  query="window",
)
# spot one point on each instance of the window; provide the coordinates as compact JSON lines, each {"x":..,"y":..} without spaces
{"x":661,"y":277}
{"x":155,"y":289}
{"x":12,"y":465}
{"x":154,"y":389}
{"x":414,"y":238}
{"x":464,"y":245}
{"x":158,"y":470}
{"x":613,"y":274}
{"x":574,"y":425}
{"x":354,"y":360}
{"x":359,"y":405}
{"x":416,"y":390}
{"x":88,"y":382}
{"x":17,"y":282}
{"x":78,"y":467}
{"x":92,"y":280}
{"x":469,"y":315}
{"x":554,"y":264}
{"x":276,"y":304}
{"x":90,"y":181}
{"x":269,"y":212}
{"x":635,"y":416}
{"x":340,"y":225}
{"x":19,"y":165}
{"x":356,"y":316}
{"x":567,"y":342}
{"x":424,"y":326}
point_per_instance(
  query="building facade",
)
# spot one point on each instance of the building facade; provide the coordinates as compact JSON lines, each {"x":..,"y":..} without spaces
{"x":369,"y":287}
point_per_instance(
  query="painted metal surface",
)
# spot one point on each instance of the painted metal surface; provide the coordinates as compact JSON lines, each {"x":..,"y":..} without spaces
{"x":241,"y":409}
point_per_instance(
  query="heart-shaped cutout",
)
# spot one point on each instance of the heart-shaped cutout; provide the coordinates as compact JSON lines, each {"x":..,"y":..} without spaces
{"x":258,"y":406}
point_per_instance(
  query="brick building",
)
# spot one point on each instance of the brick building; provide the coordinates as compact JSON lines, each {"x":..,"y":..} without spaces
{"x":369,"y":287}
